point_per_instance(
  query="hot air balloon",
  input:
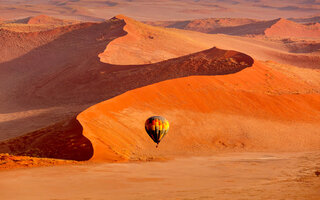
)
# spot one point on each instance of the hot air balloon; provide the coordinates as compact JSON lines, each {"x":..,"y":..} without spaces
{"x":157,"y":127}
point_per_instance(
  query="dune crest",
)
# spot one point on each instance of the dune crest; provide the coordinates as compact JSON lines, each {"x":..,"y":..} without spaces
{"x":146,"y":44}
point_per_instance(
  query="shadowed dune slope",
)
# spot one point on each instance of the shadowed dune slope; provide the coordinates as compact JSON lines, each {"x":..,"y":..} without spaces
{"x":63,"y":140}
{"x":18,"y":40}
{"x":257,"y":109}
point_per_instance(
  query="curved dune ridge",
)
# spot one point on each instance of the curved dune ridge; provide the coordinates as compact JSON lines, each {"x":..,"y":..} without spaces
{"x":255,"y":109}
{"x":145,"y":44}
{"x":117,"y":80}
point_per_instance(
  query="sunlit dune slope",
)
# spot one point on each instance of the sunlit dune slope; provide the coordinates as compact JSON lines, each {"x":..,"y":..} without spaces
{"x":258,"y":108}
{"x":145,"y":44}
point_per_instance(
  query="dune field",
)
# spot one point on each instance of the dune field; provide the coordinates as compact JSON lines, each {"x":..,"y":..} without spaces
{"x":242,"y":97}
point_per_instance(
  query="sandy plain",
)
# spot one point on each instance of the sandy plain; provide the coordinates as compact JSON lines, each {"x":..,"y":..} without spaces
{"x":238,"y":176}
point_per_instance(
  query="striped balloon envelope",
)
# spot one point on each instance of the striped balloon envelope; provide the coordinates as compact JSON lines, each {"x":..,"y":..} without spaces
{"x":157,"y":127}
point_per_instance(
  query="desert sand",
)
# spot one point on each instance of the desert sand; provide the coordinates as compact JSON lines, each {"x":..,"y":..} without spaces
{"x":223,"y":176}
{"x":242,"y":103}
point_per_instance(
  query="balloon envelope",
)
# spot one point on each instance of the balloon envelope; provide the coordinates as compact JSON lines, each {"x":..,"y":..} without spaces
{"x":157,"y":127}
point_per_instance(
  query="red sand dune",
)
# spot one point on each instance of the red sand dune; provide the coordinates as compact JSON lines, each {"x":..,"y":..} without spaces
{"x":65,"y":139}
{"x":255,"y":109}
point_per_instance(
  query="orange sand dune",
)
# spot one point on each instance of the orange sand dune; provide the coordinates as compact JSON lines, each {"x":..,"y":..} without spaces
{"x":53,"y":74}
{"x":65,"y":139}
{"x":258,"y":108}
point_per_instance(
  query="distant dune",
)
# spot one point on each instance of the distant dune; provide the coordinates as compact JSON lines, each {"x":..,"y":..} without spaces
{"x":44,"y":19}
{"x":315,"y":19}
{"x":278,"y":27}
{"x":210,"y":25}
